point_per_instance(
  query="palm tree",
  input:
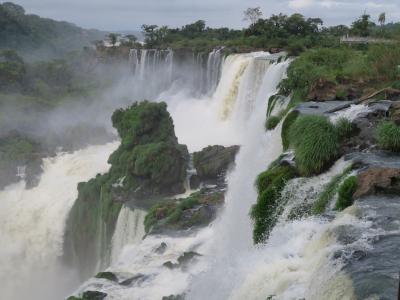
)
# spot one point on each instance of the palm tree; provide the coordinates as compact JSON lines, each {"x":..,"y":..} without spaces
{"x":382,"y":19}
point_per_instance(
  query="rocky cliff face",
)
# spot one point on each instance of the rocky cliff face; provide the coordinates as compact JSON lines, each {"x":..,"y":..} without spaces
{"x":148,"y":164}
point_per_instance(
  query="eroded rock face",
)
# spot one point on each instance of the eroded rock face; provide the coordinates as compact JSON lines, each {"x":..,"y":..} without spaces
{"x":375,"y":180}
{"x":214,"y":161}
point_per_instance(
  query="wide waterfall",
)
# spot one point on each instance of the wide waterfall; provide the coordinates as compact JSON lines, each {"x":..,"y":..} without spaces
{"x":160,"y":69}
{"x":223,"y":103}
{"x":32,"y":225}
{"x":235,"y":115}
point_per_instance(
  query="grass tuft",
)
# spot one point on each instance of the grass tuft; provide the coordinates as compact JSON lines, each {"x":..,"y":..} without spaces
{"x":388,"y":135}
{"x":316,"y":144}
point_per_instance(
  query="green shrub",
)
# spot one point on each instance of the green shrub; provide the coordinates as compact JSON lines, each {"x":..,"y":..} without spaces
{"x":272,"y":122}
{"x":315,"y":142}
{"x":287,"y":123}
{"x":388,"y":135}
{"x":345,"y":128}
{"x":346,"y":192}
{"x":266,"y":211}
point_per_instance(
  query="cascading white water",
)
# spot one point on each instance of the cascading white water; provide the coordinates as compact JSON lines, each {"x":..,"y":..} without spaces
{"x":232,"y":238}
{"x":128,"y":231}
{"x":198,"y":123}
{"x":32,"y":225}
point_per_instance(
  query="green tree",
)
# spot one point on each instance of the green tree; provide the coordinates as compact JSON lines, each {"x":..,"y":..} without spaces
{"x":362,"y":26}
{"x":382,"y":19}
{"x":252,"y":14}
{"x":113,"y":37}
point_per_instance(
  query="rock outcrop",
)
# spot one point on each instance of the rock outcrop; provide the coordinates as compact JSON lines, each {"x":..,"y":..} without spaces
{"x":148,"y":164}
{"x":376,"y":180}
{"x":214,"y":161}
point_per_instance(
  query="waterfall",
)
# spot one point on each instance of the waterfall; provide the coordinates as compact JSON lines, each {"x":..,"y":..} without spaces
{"x":247,"y":81}
{"x":128,"y":231}
{"x":133,"y":60}
{"x":232,"y":241}
{"x":32,"y":225}
{"x":214,"y":63}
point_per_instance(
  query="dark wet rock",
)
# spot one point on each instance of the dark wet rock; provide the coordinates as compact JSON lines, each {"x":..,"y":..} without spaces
{"x":137,"y":279}
{"x":194,"y":182}
{"x":187,"y":257}
{"x":174,"y":297}
{"x":183,"y":261}
{"x":177,"y":215}
{"x":321,"y":108}
{"x":376,"y":159}
{"x":213,"y":161}
{"x":107,"y":275}
{"x":378,"y":180}
{"x":161,"y":249}
{"x":170,"y":265}
{"x":373,"y":264}
{"x":93,"y":295}
{"x":90,"y":295}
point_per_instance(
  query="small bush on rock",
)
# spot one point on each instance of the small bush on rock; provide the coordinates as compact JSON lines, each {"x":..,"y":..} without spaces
{"x":272,"y":122}
{"x":346,"y":192}
{"x":316,"y":144}
{"x":388,"y":135}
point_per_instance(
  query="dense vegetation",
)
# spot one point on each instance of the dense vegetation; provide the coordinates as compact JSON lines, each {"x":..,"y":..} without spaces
{"x":40,"y":38}
{"x":341,"y":73}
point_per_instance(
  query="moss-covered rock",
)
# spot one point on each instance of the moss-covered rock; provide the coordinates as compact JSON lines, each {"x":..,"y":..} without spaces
{"x":267,"y":209}
{"x":214,"y":161}
{"x":148,"y":164}
{"x":107,"y":275}
{"x":89,"y":295}
{"x":197,"y":210}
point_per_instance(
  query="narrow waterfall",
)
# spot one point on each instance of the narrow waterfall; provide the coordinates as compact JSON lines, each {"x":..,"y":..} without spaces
{"x":214,"y":64}
{"x":129,"y":230}
{"x":32,"y":225}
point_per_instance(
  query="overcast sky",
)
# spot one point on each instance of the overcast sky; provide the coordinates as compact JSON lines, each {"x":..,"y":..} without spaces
{"x":131,"y":14}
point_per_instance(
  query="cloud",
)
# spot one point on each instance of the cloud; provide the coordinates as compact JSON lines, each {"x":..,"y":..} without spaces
{"x":131,"y":14}
{"x":298,"y":4}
